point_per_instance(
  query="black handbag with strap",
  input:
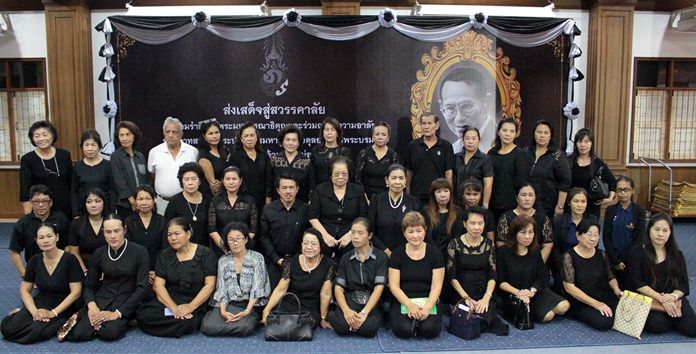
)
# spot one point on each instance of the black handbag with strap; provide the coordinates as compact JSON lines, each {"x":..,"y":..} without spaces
{"x":291,"y":327}
{"x":519,"y":314}
{"x":598,"y":188}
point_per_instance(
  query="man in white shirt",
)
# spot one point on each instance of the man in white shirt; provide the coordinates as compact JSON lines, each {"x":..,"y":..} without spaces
{"x":164,"y":161}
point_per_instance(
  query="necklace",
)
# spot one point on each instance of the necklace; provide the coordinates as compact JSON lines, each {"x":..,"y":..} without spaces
{"x":398,"y":201}
{"x":309,"y":270}
{"x":193,"y":211}
{"x":108,"y":250}
{"x":471,"y":244}
{"x":49,"y":171}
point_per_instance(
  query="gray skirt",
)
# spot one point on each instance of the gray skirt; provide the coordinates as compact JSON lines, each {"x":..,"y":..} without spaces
{"x":215,"y":325}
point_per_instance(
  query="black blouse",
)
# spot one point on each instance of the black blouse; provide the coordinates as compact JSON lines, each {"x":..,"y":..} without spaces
{"x":438,"y":235}
{"x":253,"y":173}
{"x":185,"y":279}
{"x":86,"y":177}
{"x":82,"y":235}
{"x":522,"y":272}
{"x":307,"y":285}
{"x":511,"y":171}
{"x":479,"y":167}
{"x":385,"y":219}
{"x":179,"y":206}
{"x":54,"y":173}
{"x":544,"y":228}
{"x":591,"y":275}
{"x":473,"y":267}
{"x":53,"y":288}
{"x":370,"y":171}
{"x":582,"y":175}
{"x":416,"y":276}
{"x":337,"y":215}
{"x":221,"y":213}
{"x":300,"y":168}
{"x":321,"y":160}
{"x":153,"y":237}
{"x":549,"y":174}
{"x":218,"y":163}
{"x":638,"y":267}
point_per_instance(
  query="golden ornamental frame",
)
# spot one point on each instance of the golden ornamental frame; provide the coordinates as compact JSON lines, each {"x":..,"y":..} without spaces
{"x":469,"y":46}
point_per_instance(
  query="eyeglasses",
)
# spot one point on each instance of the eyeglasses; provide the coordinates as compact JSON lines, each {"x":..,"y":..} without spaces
{"x":591,"y":235}
{"x":624,"y":190}
{"x":468,"y":108}
{"x":310,"y":244}
{"x":40,"y":201}
{"x":236,"y":240}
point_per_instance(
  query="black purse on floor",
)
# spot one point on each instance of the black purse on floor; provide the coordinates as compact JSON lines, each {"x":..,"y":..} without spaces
{"x":519,"y":314}
{"x":290,"y":327}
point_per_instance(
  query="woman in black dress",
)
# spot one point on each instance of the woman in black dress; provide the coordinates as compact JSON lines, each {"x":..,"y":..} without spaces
{"x":290,"y":162}
{"x":548,"y":170}
{"x":388,"y":208}
{"x":58,"y":280}
{"x":360,"y":281}
{"x":191,"y":203}
{"x":416,"y":274}
{"x":242,"y":287}
{"x":373,"y":162}
{"x":334,"y":205}
{"x":212,"y":156}
{"x":509,"y":167}
{"x":331,"y":135}
{"x":146,"y":227}
{"x":252,"y":161}
{"x":526,"y":197}
{"x":443,"y":218}
{"x":231,"y":206}
{"x":584,"y":165}
{"x":46,"y":165}
{"x":86,"y":232}
{"x":307,"y":275}
{"x":128,"y":167}
{"x":624,"y":228}
{"x":471,"y":270}
{"x":472,"y":163}
{"x":588,"y":280}
{"x":523,"y":275}
{"x":565,"y":233}
{"x":116,"y":284}
{"x":91,"y":172}
{"x":658,"y":269}
{"x":184,"y":280}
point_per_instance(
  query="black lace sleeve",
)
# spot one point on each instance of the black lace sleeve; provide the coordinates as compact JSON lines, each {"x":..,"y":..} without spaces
{"x":287,"y":267}
{"x":212,"y":217}
{"x":607,"y":266}
{"x":451,"y":268}
{"x":253,"y":217}
{"x":568,"y":269}
{"x":359,"y":166}
{"x":490,"y":248}
{"x":331,"y":273}
{"x":547,"y":231}
{"x":503,"y":229}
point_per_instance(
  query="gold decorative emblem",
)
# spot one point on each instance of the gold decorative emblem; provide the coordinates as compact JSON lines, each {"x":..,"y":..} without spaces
{"x":473,"y":47}
{"x":558,"y":45}
{"x":122,"y":43}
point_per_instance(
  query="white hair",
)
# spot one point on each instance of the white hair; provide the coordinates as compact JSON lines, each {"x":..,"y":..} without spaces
{"x":172,"y":120}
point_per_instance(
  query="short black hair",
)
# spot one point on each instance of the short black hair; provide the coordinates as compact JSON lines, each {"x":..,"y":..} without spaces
{"x":291,"y":128}
{"x":43,"y":124}
{"x":285,"y":176}
{"x":233,"y":226}
{"x":132,"y":128}
{"x":40,"y":189}
{"x":91,"y":134}
{"x":190,"y":167}
{"x":334,"y":123}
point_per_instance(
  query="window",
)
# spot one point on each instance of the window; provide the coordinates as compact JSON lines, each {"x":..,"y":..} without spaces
{"x":664,"y":109}
{"x":23,"y":101}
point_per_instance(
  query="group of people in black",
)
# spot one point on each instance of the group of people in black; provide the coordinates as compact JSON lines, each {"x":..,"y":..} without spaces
{"x":381,"y":239}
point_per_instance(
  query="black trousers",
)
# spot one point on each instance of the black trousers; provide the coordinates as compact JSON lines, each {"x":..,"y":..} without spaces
{"x":404,"y":327}
{"x":368,"y":329}
{"x":660,"y":322}
{"x":20,"y":327}
{"x":83,"y":330}
{"x":151,"y":320}
{"x":593,"y":318}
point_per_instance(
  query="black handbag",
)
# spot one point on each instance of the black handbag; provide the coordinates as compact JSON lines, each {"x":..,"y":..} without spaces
{"x":598,"y":188}
{"x":296,"y":326}
{"x":519,"y":314}
{"x":464,"y":324}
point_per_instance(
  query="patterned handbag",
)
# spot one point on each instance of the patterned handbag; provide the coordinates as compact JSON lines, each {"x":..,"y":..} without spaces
{"x":631,"y":313}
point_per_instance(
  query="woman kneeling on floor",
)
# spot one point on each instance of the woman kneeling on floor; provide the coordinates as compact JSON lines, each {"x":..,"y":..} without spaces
{"x":242,"y":287}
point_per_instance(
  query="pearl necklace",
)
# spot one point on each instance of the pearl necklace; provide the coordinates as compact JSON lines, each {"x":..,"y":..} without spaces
{"x":309,"y":270}
{"x":398,"y":201}
{"x":108,"y":250}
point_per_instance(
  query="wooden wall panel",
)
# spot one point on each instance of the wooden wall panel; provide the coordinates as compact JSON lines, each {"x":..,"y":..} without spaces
{"x":340,"y":8}
{"x":9,"y":199}
{"x":640,"y":176}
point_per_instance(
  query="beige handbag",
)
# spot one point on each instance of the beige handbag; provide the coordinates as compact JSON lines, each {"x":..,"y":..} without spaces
{"x":631,"y":313}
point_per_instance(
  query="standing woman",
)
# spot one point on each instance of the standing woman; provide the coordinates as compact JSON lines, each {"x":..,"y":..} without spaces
{"x":46,"y":165}
{"x":373,"y":162}
{"x":212,"y":156}
{"x":334,"y":205}
{"x":509,"y":166}
{"x":252,"y":162}
{"x":191,"y":204}
{"x":588,"y":280}
{"x":526,"y":197}
{"x":128,"y":168}
{"x":86,"y":232}
{"x":471,"y":270}
{"x":471,"y":162}
{"x":184,"y":280}
{"x":585,"y":165}
{"x":91,"y":172}
{"x":388,"y":208}
{"x":290,"y":162}
{"x":416,"y":274}
{"x":657,"y":269}
{"x":307,"y":275}
{"x":56,"y":278}
{"x":116,"y":283}
{"x":523,"y":275}
{"x":565,"y":233}
{"x":331,"y":146}
{"x":548,"y":170}
{"x":443,"y":218}
{"x":242,"y":287}
{"x":146,"y":227}
{"x":624,"y":228}
{"x":231,"y":206}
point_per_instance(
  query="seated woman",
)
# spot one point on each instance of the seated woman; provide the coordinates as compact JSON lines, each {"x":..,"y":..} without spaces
{"x":242,"y":287}
{"x":624,"y":228}
{"x":657,"y":269}
{"x":116,"y":284}
{"x":58,"y":279}
{"x":86,"y":233}
{"x":522,"y":273}
{"x":416,"y":274}
{"x":184,"y":280}
{"x":146,"y":227}
{"x":308,"y":275}
{"x":592,"y":289}
{"x":360,"y":281}
{"x":471,"y":271}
